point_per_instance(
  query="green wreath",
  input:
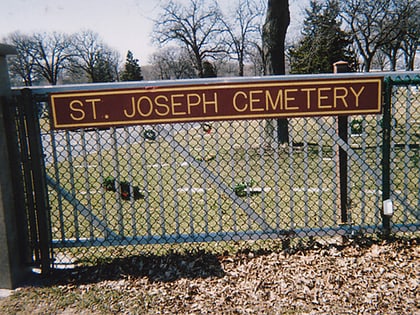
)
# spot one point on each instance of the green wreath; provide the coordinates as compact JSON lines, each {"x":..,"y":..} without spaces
{"x":150,"y":135}
{"x":356,"y":126}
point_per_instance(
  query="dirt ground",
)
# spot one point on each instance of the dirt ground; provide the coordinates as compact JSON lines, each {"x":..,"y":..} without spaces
{"x":368,"y":277}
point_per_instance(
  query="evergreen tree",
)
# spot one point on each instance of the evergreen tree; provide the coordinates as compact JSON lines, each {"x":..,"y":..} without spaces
{"x":132,"y":70}
{"x":323,"y":42}
{"x":103,"y":71}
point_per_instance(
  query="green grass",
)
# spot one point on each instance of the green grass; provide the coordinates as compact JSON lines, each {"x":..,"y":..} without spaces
{"x":300,"y":182}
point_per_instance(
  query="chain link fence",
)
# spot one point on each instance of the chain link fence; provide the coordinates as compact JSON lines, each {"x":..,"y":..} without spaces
{"x":404,"y":152}
{"x":224,"y":181}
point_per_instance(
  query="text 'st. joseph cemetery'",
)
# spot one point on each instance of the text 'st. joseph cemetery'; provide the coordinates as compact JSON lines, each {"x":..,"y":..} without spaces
{"x":216,"y":101}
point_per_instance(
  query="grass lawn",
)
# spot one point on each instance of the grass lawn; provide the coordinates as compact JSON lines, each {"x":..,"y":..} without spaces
{"x":188,"y":176}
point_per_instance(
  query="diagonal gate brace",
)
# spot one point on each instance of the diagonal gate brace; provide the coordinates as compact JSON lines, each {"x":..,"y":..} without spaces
{"x":366,"y":167}
{"x":216,"y":179}
{"x":96,"y":222}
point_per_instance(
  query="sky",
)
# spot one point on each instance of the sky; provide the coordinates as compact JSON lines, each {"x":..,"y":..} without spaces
{"x":122,"y":24}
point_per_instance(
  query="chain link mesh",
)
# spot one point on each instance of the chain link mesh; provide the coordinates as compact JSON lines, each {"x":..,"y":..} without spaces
{"x":228,"y":181}
{"x":405,"y":164}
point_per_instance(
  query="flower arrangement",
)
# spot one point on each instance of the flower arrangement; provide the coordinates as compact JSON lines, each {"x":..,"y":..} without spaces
{"x":207,"y":128}
{"x":245,"y":189}
{"x":125,"y":189}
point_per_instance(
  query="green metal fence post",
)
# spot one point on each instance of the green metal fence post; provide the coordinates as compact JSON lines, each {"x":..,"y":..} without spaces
{"x":39,"y":187}
{"x":343,"y":67}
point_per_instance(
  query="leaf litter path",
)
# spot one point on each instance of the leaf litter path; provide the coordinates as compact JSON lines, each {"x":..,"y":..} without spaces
{"x":375,"y":278}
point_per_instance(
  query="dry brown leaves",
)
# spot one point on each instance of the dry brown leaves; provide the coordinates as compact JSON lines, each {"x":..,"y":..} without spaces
{"x":382,"y":278}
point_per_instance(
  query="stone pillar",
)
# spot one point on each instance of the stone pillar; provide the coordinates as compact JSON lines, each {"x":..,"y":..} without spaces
{"x":12,"y":270}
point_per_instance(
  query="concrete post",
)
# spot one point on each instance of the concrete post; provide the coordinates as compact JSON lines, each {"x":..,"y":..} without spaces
{"x":12,"y":270}
{"x":341,"y":67}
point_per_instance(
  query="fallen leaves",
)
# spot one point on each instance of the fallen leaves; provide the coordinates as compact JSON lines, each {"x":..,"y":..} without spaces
{"x":383,"y":278}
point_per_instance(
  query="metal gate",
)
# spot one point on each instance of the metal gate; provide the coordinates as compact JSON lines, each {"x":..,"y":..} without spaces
{"x":219,"y":180}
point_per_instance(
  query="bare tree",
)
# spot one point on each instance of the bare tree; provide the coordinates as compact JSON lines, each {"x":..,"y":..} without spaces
{"x":23,"y":66}
{"x":257,"y":59}
{"x":42,"y":55}
{"x":409,"y":46}
{"x":411,"y":40}
{"x":59,"y":56}
{"x":392,"y":51}
{"x":172,"y":63}
{"x":400,"y":42}
{"x":52,"y":54}
{"x":373,"y":25}
{"x":381,"y":61}
{"x":94,"y":57}
{"x":196,"y":26}
{"x":256,"y":49}
{"x":242,"y":27}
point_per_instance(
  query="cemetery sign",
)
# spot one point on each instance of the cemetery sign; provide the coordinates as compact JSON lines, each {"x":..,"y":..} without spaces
{"x":216,"y":101}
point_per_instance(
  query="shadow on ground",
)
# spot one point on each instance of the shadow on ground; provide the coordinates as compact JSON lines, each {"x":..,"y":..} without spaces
{"x":193,"y":265}
{"x":165,"y":268}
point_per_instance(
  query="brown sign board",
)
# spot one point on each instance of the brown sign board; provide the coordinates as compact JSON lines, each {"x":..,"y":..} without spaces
{"x":216,"y":101}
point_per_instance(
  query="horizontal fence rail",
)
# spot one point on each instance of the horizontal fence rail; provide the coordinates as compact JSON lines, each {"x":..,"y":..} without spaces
{"x":230,"y":180}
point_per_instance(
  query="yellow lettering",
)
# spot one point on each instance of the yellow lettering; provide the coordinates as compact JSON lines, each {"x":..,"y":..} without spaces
{"x":323,"y":97}
{"x":254,"y":101}
{"x":93,"y":101}
{"x":81,"y":112}
{"x":176,"y":104}
{"x":163,"y":105}
{"x":213,"y":102}
{"x":235,"y":104}
{"x":288,"y":98}
{"x":308,"y":96}
{"x":357,"y":94}
{"x":133,"y":107}
{"x":269,"y":100}
{"x":191,"y":103}
{"x":341,"y":96}
{"x":147,"y":101}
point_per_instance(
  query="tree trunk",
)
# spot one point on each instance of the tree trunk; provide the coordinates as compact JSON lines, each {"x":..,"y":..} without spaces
{"x":274,"y":34}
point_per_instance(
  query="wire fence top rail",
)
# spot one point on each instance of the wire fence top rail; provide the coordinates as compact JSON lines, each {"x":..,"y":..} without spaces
{"x":43,"y":90}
